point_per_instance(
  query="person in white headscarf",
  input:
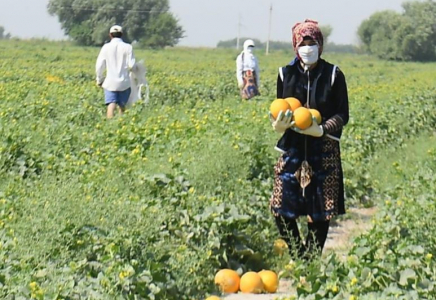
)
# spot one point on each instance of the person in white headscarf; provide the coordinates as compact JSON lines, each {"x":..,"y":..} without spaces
{"x":248,"y":72}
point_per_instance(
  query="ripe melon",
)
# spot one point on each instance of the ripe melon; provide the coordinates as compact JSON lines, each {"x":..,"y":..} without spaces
{"x":213,"y":298}
{"x":227,"y":280}
{"x":293,"y":102}
{"x":302,"y":118}
{"x":280,"y":246}
{"x":315,"y":113}
{"x":277,"y":106}
{"x":251,"y":283}
{"x":270,"y":280}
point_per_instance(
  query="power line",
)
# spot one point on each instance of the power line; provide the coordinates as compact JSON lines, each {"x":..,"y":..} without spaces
{"x":87,"y":8}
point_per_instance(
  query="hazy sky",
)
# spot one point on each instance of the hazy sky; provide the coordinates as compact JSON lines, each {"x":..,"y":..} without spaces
{"x":208,"y":21}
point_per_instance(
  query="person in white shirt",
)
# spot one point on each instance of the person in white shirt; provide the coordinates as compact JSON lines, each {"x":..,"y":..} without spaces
{"x":117,"y":59}
{"x":247,"y":71}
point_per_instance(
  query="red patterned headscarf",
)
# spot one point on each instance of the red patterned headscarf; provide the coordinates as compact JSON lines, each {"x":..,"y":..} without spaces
{"x":307,"y":28}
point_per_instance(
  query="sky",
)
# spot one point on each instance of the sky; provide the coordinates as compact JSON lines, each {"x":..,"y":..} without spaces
{"x":206,"y":22}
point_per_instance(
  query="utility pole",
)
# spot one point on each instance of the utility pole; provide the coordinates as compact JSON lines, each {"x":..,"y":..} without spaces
{"x":269,"y":30}
{"x":239,"y":32}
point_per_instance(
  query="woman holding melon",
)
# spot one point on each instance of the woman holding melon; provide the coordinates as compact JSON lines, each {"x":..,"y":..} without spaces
{"x":310,"y":112}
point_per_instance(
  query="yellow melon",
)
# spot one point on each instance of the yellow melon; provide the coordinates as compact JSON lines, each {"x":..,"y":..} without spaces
{"x":251,"y":283}
{"x":227,"y":280}
{"x":213,"y":298}
{"x":302,"y":118}
{"x":293,"y":102}
{"x":315,"y":113}
{"x":277,"y":106}
{"x":280,"y":246}
{"x":270,"y":280}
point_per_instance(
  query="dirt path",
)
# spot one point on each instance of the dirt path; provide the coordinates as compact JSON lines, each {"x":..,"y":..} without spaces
{"x":340,"y":239}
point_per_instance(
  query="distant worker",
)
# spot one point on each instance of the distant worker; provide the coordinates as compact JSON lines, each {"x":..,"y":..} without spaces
{"x":117,"y":59}
{"x":248,"y":72}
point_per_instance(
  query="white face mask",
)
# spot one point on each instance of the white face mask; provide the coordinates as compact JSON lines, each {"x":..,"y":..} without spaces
{"x":308,"y":54}
{"x":249,"y":50}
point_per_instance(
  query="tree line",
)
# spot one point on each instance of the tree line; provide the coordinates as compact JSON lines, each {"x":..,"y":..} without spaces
{"x":287,"y":46}
{"x":406,"y":36}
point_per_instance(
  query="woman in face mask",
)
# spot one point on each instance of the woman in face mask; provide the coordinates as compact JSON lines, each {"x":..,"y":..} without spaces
{"x":308,"y":175}
{"x":247,"y":71}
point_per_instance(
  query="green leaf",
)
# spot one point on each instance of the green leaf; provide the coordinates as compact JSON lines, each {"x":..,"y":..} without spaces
{"x":361,"y":251}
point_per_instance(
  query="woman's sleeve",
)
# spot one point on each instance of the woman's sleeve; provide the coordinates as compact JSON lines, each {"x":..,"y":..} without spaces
{"x":340,"y":100}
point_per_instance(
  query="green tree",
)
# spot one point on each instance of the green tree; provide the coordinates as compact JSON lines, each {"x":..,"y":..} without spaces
{"x":407,"y":36}
{"x":326,"y":32}
{"x":420,"y":42}
{"x":147,"y":21}
{"x":378,"y":34}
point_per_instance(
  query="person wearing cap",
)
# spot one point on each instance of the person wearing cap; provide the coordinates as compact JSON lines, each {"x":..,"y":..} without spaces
{"x":247,"y":71}
{"x":308,"y":175}
{"x":117,"y":59}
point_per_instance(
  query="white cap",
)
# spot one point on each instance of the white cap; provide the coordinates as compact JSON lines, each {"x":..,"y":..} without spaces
{"x":248,"y":43}
{"x":115,"y":29}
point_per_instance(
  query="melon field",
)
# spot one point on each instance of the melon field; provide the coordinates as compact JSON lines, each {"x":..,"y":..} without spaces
{"x":150,"y":205}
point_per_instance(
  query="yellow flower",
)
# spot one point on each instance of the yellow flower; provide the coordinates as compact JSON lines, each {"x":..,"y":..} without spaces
{"x":354,"y":281}
{"x":33,"y":285}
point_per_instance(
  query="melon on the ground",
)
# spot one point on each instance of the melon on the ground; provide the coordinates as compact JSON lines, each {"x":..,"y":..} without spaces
{"x":251,"y":282}
{"x":227,"y":280}
{"x":270,"y":280}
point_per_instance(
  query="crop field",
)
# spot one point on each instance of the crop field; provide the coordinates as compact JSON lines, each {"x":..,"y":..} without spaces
{"x":150,"y":205}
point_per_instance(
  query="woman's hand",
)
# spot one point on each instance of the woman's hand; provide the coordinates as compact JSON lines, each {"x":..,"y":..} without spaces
{"x":314,"y":129}
{"x":282,"y":122}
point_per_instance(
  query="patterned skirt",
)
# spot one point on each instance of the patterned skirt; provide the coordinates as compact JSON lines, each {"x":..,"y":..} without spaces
{"x":250,"y":89}
{"x":323,"y":197}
